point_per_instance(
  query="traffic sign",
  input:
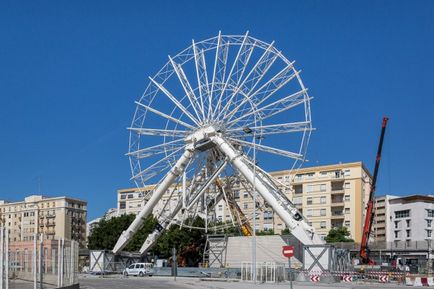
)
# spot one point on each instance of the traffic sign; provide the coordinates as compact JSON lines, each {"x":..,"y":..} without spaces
{"x":347,"y":278}
{"x":383,"y":278}
{"x":314,"y":278}
{"x":288,"y":251}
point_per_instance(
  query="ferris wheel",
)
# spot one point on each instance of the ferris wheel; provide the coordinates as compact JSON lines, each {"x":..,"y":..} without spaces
{"x":202,"y":124}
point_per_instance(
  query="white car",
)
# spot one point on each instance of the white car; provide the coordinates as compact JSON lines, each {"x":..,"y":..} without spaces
{"x":139,"y":269}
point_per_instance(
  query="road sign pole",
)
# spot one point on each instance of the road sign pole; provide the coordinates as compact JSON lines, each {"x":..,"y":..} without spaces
{"x":290,"y":273}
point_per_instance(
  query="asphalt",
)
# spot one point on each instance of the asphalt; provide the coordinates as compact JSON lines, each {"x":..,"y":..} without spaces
{"x":97,"y":282}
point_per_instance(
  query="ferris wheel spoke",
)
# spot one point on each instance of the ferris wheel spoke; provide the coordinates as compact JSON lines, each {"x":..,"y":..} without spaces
{"x":166,"y":116}
{"x":174,"y":100}
{"x":187,"y":88}
{"x":254,"y":76}
{"x":160,"y":164}
{"x":280,"y":128}
{"x":157,"y":149}
{"x":202,"y":77}
{"x":159,"y":132}
{"x":268,"y":89}
{"x":268,"y":149}
{"x":241,"y":51}
{"x":215,"y":69}
{"x":276,"y":107}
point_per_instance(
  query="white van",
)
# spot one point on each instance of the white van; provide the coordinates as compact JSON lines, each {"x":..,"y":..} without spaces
{"x":139,"y":269}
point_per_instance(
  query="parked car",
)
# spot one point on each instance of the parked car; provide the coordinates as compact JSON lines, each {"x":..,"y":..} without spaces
{"x":139,"y":269}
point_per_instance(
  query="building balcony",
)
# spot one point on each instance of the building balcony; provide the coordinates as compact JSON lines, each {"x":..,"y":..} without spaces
{"x":337,"y":224}
{"x":50,"y":224}
{"x":50,"y":216}
{"x":336,"y":192}
{"x":337,"y":204}
{"x":337,"y":215}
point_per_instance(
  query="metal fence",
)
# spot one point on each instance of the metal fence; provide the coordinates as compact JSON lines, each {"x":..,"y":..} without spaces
{"x":42,"y":262}
{"x":263,"y":272}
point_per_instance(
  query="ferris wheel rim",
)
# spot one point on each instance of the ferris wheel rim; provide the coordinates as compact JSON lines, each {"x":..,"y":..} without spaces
{"x":176,"y":63}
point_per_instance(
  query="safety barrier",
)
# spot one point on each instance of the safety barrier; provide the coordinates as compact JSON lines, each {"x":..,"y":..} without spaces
{"x":350,"y":276}
{"x":419,"y":281}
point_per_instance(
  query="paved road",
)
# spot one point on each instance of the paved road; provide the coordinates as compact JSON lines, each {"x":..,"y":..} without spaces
{"x":131,"y":283}
{"x":94,"y":282}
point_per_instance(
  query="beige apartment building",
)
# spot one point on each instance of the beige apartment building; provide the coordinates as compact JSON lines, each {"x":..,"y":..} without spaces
{"x":328,"y":196}
{"x":55,"y":217}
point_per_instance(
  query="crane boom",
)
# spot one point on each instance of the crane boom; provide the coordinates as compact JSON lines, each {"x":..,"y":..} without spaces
{"x":369,"y":217}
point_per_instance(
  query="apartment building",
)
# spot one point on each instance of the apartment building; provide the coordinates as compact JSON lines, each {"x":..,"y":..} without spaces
{"x":328,"y":196}
{"x":55,"y":217}
{"x":403,"y":220}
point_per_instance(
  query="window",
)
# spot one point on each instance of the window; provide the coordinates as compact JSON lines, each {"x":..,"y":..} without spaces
{"x":323,"y":174}
{"x":122,"y":205}
{"x":246,"y":205}
{"x":236,"y":195}
{"x":347,"y":198}
{"x":297,"y":201}
{"x":396,"y":234}
{"x":322,"y":225}
{"x":268,"y":215}
{"x":347,"y":186}
{"x":396,"y":224}
{"x":323,"y":212}
{"x":428,"y":233}
{"x":429,"y":223}
{"x":347,"y":210}
{"x":347,"y":173}
{"x":123,"y":197}
{"x":408,"y":223}
{"x":298,"y":189}
{"x":220,"y":207}
{"x":309,"y":213}
{"x":309,"y":201}
{"x":408,"y":233}
{"x":430,"y":213}
{"x":130,"y":196}
{"x":347,"y":223}
{"x":323,"y":200}
{"x":402,"y":214}
{"x":245,"y":195}
{"x":322,"y":187}
{"x":309,"y":188}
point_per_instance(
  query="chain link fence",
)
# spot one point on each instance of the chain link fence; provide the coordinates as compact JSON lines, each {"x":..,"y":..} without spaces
{"x":42,"y":262}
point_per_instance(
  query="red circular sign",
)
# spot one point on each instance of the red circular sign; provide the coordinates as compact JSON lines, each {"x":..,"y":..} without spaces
{"x":288,"y":251}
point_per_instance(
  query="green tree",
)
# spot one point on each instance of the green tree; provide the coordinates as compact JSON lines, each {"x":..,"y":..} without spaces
{"x":189,"y":243}
{"x":340,"y":234}
{"x":285,"y":231}
{"x":107,"y":232}
{"x":265,"y":233}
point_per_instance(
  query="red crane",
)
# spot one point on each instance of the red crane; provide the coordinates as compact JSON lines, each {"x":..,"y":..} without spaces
{"x":369,"y":218}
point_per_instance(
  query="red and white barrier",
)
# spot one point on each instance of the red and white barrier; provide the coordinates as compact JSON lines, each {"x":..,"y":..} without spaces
{"x":419,"y":281}
{"x":347,"y":278}
{"x":383,"y":278}
{"x":314,"y":278}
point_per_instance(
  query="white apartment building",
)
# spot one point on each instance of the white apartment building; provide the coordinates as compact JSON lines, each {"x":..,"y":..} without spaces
{"x":60,"y":217}
{"x":328,"y":196}
{"x":402,"y":221}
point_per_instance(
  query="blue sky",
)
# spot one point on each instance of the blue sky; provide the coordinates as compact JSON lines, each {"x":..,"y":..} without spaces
{"x":71,"y":70}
